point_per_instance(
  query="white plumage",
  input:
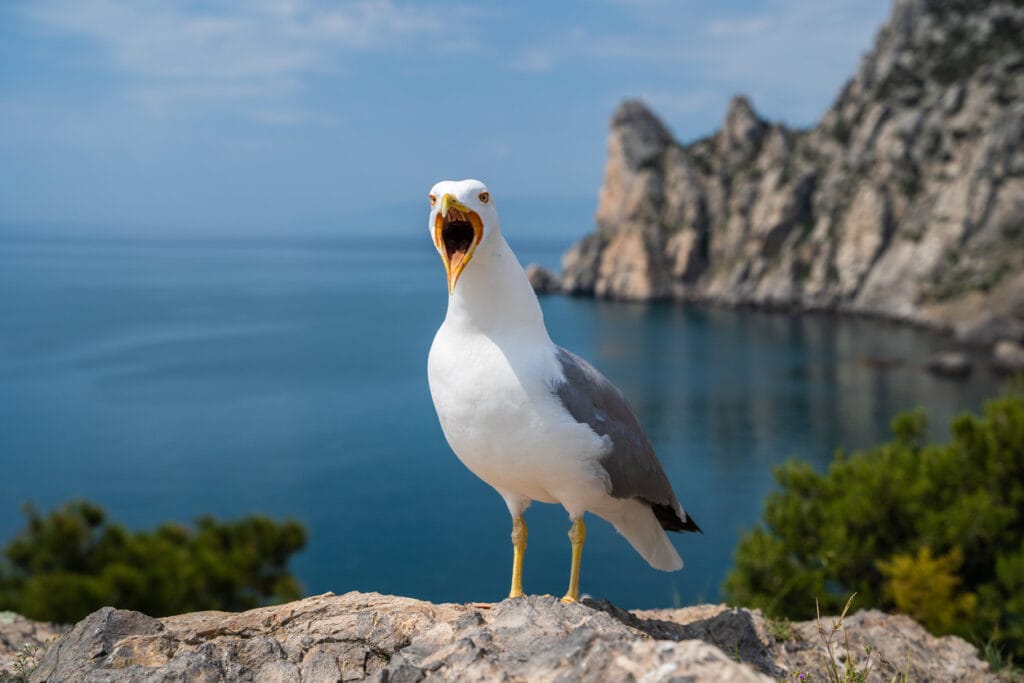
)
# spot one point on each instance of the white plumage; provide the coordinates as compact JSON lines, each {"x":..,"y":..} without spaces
{"x":524,"y":415}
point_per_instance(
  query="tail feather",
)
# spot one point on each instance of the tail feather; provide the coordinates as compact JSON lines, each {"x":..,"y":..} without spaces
{"x":673,"y":518}
{"x":638,"y":523}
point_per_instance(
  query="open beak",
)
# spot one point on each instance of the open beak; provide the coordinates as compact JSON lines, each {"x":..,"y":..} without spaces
{"x":457,"y":232}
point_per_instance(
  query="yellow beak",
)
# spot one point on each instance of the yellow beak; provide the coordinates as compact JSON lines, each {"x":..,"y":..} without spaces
{"x":457,"y":232}
{"x":449,"y":202}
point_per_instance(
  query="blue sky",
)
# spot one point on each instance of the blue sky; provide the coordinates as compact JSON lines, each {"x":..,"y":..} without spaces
{"x":287,"y":116}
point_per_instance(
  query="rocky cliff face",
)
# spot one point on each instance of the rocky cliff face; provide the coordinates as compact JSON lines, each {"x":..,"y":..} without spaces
{"x":366,"y":636}
{"x":905,"y":201}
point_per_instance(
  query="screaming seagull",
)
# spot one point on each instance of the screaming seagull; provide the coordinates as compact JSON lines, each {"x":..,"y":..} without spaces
{"x":531,"y":419}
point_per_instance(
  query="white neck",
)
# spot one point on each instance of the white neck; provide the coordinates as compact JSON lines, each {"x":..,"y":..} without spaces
{"x":493,"y":295}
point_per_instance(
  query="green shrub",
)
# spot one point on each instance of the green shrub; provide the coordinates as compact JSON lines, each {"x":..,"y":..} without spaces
{"x":936,"y":531}
{"x":73,"y":561}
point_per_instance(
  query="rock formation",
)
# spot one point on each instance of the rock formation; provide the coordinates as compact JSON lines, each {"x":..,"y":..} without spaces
{"x":361,"y":636}
{"x":953,"y":364}
{"x":906,"y":200}
{"x":22,"y":642}
{"x":1008,"y":357}
{"x":542,"y":280}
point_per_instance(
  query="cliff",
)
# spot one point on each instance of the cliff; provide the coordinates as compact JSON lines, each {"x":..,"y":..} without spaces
{"x":906,"y":201}
{"x":366,"y":636}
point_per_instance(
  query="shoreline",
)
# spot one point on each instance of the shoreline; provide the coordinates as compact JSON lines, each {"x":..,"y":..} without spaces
{"x":1004,"y":353}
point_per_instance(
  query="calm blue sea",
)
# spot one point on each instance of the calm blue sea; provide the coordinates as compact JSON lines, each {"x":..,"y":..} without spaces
{"x":166,"y":379}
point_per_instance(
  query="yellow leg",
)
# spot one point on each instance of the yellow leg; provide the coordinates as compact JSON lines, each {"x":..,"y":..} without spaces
{"x":577,"y":534}
{"x":518,"y":548}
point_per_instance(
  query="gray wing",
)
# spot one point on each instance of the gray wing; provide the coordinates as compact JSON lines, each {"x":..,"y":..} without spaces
{"x":631,"y":464}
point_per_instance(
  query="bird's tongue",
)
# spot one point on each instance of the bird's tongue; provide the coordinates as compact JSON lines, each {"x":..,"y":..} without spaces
{"x":455,"y":259}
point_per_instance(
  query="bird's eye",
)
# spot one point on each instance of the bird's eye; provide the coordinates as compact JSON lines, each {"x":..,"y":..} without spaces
{"x":484,"y":197}
{"x":433,"y":199}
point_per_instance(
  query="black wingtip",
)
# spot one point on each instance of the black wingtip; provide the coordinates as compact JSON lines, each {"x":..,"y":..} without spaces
{"x":671,"y":521}
{"x":690,"y":525}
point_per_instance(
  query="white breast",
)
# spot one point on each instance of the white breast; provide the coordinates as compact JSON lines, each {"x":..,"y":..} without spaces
{"x":495,"y":404}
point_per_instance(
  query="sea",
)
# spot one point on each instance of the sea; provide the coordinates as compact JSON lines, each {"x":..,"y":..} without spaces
{"x":170,"y":378}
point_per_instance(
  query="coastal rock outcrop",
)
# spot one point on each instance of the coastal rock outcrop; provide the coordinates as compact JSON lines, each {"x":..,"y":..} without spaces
{"x":1008,"y":357}
{"x":955,"y":364}
{"x":366,"y":636}
{"x":542,"y":280}
{"x":905,"y":201}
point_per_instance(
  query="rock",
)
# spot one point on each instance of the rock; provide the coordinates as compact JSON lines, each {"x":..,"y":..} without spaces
{"x":360,"y":636}
{"x":645,"y":137}
{"x":22,"y":642}
{"x":954,"y":364}
{"x":899,"y":641}
{"x":118,"y":636}
{"x":542,"y":280}
{"x":905,"y":201}
{"x":1008,"y":357}
{"x":991,"y":328}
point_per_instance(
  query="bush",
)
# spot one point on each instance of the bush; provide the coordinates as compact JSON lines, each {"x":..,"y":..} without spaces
{"x":925,"y":587}
{"x":73,"y":561}
{"x":934,"y":531}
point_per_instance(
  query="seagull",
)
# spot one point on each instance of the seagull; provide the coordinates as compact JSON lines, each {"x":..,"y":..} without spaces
{"x":531,"y":419}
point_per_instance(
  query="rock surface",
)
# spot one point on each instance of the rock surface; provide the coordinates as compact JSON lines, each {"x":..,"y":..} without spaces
{"x":954,"y":364}
{"x":361,"y":636}
{"x":22,"y":642}
{"x":542,"y":280}
{"x":905,"y":201}
{"x":1008,"y":357}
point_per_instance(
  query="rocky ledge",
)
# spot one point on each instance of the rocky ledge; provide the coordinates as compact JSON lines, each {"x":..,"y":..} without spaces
{"x":22,"y":643}
{"x":359,"y":636}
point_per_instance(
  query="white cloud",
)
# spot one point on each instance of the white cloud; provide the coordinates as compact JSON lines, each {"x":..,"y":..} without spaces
{"x":244,"y":50}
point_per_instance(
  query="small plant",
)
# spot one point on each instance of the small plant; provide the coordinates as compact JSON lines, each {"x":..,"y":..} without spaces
{"x":841,"y":131}
{"x":24,"y":664}
{"x":1000,"y":662}
{"x":901,"y":676}
{"x":847,"y":672}
{"x":779,"y":629}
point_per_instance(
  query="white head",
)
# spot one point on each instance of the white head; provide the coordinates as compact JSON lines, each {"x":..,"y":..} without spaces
{"x":462,"y":217}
